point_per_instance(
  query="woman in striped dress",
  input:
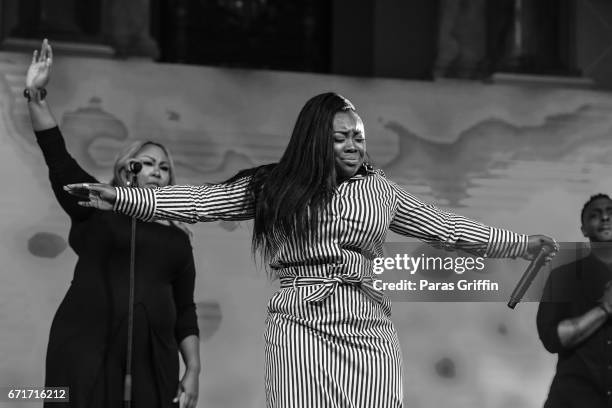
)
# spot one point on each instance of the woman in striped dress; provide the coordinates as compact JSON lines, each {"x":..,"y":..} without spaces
{"x":321,"y":215}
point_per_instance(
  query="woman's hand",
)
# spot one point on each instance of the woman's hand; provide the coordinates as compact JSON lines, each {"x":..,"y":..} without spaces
{"x":536,"y":243}
{"x":188,"y":389}
{"x":100,"y":196}
{"x":39,"y":70}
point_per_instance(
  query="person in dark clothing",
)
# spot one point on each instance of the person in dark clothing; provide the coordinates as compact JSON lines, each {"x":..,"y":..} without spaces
{"x":88,"y":337}
{"x":573,"y":318}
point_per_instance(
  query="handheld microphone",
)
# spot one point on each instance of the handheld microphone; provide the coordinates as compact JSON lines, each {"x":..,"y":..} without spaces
{"x":528,"y":276}
{"x":134,"y":167}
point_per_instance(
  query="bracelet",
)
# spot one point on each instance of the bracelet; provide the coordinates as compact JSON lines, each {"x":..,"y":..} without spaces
{"x":28,"y":96}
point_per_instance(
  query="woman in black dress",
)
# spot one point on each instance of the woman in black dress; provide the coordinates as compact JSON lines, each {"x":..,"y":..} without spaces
{"x":88,"y":339}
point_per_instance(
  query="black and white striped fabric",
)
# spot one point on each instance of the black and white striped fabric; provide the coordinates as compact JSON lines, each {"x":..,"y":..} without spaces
{"x":329,"y":338}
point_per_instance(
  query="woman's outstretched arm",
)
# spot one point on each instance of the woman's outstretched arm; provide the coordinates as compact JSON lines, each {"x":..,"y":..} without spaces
{"x":415,"y":218}
{"x":231,"y":201}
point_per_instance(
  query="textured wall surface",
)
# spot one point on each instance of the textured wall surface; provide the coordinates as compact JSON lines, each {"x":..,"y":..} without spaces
{"x":521,"y":158}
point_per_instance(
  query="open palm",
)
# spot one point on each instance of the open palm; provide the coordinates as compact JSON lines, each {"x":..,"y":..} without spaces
{"x":39,"y":70}
{"x":98,"y":195}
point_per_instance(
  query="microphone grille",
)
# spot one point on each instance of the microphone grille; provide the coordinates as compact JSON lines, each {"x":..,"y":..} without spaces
{"x":135,"y":167}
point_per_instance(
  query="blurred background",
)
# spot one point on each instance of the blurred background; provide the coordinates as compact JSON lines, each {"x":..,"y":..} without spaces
{"x":499,"y":110}
{"x":409,"y":39}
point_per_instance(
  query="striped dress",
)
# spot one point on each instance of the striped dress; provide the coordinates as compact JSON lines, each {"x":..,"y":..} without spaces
{"x":329,"y":339}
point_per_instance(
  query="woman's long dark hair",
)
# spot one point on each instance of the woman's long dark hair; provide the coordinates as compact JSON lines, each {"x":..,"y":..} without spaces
{"x":292,"y":195}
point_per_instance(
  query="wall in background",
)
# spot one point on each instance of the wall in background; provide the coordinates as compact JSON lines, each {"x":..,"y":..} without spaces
{"x":521,"y":158}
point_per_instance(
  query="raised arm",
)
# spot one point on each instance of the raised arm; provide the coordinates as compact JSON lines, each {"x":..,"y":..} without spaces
{"x":63,"y":169}
{"x":37,"y":78}
{"x":414,"y":218}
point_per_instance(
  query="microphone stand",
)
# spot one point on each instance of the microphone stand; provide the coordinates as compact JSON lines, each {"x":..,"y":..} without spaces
{"x":133,"y":170}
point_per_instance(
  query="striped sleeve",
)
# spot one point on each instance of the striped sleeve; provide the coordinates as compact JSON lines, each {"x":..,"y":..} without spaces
{"x":225,"y":201}
{"x":417,"y":219}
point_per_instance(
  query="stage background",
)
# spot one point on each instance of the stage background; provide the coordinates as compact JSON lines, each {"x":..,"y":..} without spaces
{"x":520,"y":157}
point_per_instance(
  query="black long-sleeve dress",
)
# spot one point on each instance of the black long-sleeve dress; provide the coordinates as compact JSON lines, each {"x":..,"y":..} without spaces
{"x":88,"y":339}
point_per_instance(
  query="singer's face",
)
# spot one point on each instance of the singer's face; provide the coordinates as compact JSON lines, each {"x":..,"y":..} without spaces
{"x":349,"y":143}
{"x":155,"y":167}
{"x":597,"y":220}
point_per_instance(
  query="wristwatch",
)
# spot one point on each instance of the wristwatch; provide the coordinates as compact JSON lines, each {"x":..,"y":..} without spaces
{"x":42,"y":91}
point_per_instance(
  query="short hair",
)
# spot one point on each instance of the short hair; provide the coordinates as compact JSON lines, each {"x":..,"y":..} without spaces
{"x":120,"y":176}
{"x":593,"y":198}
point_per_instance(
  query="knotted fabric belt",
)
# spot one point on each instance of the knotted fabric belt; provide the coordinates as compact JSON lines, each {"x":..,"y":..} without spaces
{"x":328,"y":285}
